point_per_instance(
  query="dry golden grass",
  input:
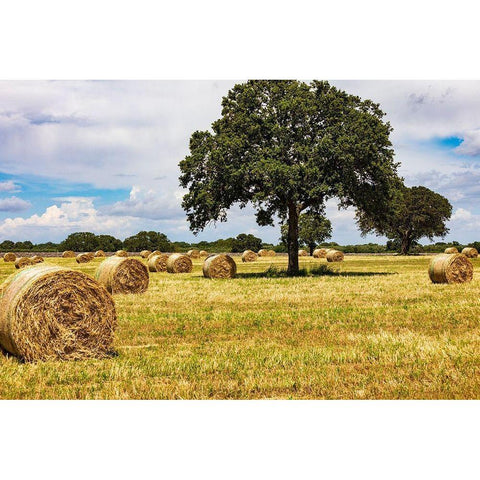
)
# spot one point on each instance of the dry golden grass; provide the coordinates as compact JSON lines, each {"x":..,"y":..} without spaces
{"x":378,"y":329}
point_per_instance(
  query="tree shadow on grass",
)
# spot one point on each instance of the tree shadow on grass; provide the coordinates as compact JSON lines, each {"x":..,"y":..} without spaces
{"x":321,"y":271}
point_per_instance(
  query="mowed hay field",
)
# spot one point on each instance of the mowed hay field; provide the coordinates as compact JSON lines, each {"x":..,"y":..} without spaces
{"x":377,"y":329}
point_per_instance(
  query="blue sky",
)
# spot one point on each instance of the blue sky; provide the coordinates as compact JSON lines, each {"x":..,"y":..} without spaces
{"x":103,"y":156}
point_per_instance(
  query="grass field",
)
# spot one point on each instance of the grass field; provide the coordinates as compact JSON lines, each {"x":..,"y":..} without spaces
{"x":377,"y":329}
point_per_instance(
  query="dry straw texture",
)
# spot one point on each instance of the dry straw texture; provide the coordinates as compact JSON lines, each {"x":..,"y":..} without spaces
{"x":68,"y":254}
{"x":123,"y":275}
{"x":219,"y":266}
{"x":179,"y":263}
{"x":83,"y":258}
{"x":100,"y":253}
{"x":145,"y":253}
{"x":450,"y":268}
{"x":51,"y":313}
{"x":320,"y":253}
{"x":155,"y":252}
{"x":158,"y":263}
{"x":263,"y":253}
{"x":271,"y":253}
{"x":203,"y":253}
{"x":9,"y":257}
{"x":23,"y":262}
{"x":249,"y":256}
{"x":302,"y":253}
{"x":194,"y":253}
{"x":37,"y":259}
{"x":470,"y":252}
{"x":451,"y":250}
{"x":334,"y":256}
{"x":121,"y":253}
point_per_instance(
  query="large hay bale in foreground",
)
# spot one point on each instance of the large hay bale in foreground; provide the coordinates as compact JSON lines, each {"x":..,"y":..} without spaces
{"x":68,"y":254}
{"x":179,"y":263}
{"x":49,"y":313}
{"x":121,"y":253}
{"x":9,"y":257}
{"x":451,"y":250}
{"x":249,"y":256}
{"x":194,"y":253}
{"x":23,"y":262}
{"x":83,"y":258}
{"x":203,"y":253}
{"x":219,"y":266}
{"x":334,"y":256}
{"x":470,"y":252}
{"x":450,"y":268}
{"x":123,"y":275}
{"x":302,"y":253}
{"x":320,"y":253}
{"x":100,"y":254}
{"x":158,"y":263}
{"x":37,"y":259}
{"x":145,"y":253}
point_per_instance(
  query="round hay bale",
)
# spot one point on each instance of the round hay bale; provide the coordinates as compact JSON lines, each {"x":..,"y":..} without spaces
{"x":271,"y":253}
{"x":145,"y":253}
{"x":121,"y":253}
{"x":155,"y":252}
{"x":302,"y":253}
{"x":123,"y":275}
{"x":100,"y":253}
{"x":320,"y":253}
{"x":68,"y":254}
{"x":158,"y":263}
{"x":194,"y":253}
{"x":37,"y":259}
{"x":203,"y":253}
{"x":451,"y":250}
{"x":179,"y":263}
{"x":23,"y":262}
{"x":450,"y":268}
{"x":219,"y":266}
{"x":334,"y":256}
{"x":49,"y":313}
{"x":470,"y":252}
{"x":249,"y":256}
{"x":9,"y":257}
{"x":83,"y":258}
{"x":263,"y":253}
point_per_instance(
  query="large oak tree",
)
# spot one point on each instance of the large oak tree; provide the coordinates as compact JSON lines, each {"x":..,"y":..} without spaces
{"x":285,"y":147}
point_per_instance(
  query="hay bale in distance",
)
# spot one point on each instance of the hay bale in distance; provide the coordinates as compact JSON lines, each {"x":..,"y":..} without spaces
{"x":451,"y":250}
{"x":9,"y":257}
{"x":219,"y":266}
{"x":68,"y":254}
{"x":158,"y":263}
{"x":470,"y":252}
{"x":302,"y":253}
{"x":123,"y":275}
{"x":145,"y":253}
{"x":320,"y":253}
{"x":83,"y":258}
{"x":334,"y":256}
{"x":203,"y":253}
{"x":100,"y":254}
{"x":271,"y":253}
{"x":23,"y":262}
{"x":249,"y":256}
{"x":450,"y":268}
{"x":263,"y":253}
{"x":37,"y":259}
{"x":121,"y":253}
{"x":49,"y":313}
{"x":155,"y":252}
{"x":179,"y":263}
{"x":194,"y":253}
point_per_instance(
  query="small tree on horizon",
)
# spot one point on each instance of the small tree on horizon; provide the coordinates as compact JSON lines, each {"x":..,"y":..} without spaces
{"x":286,"y":147}
{"x":415,"y":213}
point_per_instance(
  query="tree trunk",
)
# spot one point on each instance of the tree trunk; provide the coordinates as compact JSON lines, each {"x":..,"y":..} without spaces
{"x":406,"y":243}
{"x":292,"y":239}
{"x":312,"y":248}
